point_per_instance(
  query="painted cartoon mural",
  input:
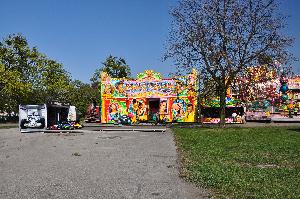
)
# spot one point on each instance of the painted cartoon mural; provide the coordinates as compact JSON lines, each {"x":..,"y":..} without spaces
{"x":190,"y":113}
{"x":172,"y":100}
{"x":115,"y":109}
{"x":137,"y":110}
{"x":178,"y":109}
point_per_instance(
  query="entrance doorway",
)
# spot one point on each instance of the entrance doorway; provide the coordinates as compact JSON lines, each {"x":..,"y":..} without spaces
{"x":153,"y":108}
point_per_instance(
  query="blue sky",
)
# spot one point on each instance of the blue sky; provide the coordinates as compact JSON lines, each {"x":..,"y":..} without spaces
{"x":80,"y":34}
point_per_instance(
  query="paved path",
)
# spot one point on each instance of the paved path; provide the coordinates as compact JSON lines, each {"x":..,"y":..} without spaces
{"x":91,"y":165}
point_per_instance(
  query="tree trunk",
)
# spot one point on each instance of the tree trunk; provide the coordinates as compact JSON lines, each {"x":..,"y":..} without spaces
{"x":222,"y":106}
{"x":198,"y":117}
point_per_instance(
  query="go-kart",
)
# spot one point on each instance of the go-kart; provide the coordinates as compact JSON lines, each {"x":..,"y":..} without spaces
{"x":66,"y":126}
{"x":76,"y":125}
{"x":125,"y":120}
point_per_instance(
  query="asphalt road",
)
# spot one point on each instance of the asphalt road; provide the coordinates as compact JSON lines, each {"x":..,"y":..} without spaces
{"x":115,"y":164}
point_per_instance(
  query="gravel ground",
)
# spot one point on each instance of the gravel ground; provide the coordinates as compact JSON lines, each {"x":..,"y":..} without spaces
{"x":91,"y":165}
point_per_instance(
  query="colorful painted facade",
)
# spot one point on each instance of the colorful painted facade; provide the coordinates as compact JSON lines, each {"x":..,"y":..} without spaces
{"x":172,"y":100}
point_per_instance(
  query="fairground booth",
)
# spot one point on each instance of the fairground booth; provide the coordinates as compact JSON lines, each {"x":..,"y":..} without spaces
{"x":290,"y":106}
{"x":149,"y":96}
{"x":269,"y":96}
{"x":294,"y":90}
{"x":234,"y":111}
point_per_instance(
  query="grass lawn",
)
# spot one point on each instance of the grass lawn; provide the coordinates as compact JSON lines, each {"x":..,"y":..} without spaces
{"x":8,"y":126}
{"x":242,"y":162}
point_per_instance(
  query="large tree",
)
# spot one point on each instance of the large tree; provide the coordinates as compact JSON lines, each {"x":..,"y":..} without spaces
{"x":225,"y":37}
{"x":81,"y":95}
{"x":28,"y":76}
{"x":114,"y":66}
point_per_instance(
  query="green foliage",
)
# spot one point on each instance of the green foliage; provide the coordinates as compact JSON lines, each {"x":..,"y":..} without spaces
{"x":9,"y":126}
{"x":29,"y":77}
{"x":243,"y":162}
{"x":115,"y":67}
{"x":12,"y":88}
{"x":52,"y":82}
{"x":81,"y":95}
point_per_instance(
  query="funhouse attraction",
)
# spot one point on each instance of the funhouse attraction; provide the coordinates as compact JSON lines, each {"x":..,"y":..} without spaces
{"x":148,"y":98}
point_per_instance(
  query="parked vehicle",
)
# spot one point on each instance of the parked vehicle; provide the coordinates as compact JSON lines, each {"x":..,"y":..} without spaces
{"x":47,"y":116}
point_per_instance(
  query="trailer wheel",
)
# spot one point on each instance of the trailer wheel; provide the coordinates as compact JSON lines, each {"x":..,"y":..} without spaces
{"x":42,"y":120}
{"x":23,"y":122}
